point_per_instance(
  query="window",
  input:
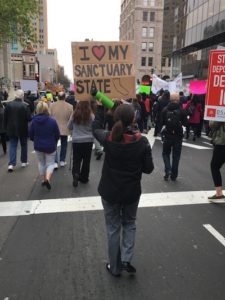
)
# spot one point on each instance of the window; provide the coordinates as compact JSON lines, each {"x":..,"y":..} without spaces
{"x":145,"y":16}
{"x":145,"y":2}
{"x":150,"y":47}
{"x":31,"y":70}
{"x":152,"y":16}
{"x":143,"y":61}
{"x":150,"y":61}
{"x":152,"y":2}
{"x":151,"y":32}
{"x":163,"y":61}
{"x":143,"y":46}
{"x":144,"y":31}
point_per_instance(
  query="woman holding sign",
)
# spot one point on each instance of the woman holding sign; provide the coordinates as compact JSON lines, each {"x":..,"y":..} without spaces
{"x":127,"y":155}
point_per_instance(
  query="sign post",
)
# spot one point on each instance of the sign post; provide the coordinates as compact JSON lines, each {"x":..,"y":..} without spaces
{"x":105,"y":66}
{"x":215,"y":97}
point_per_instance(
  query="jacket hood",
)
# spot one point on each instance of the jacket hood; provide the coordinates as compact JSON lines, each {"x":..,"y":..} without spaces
{"x":173,"y":106}
{"x":40,"y":118}
{"x":126,"y":150}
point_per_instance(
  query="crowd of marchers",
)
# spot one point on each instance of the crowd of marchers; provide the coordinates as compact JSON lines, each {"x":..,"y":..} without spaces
{"x":118,"y":134}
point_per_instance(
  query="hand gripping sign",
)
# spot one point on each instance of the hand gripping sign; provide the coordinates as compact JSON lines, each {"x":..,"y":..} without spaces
{"x":105,"y":66}
{"x":215,"y":97}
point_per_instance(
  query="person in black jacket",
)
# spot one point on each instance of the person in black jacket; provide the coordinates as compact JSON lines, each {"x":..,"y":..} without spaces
{"x":127,"y":156}
{"x":16,"y":118}
{"x":172,"y":120}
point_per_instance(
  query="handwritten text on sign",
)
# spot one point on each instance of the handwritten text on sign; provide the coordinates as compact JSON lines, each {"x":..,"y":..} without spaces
{"x":106,"y":66}
{"x":215,"y":98}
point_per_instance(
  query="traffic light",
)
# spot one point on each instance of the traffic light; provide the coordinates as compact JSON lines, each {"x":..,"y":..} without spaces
{"x":152,"y":70}
{"x":37,"y":77}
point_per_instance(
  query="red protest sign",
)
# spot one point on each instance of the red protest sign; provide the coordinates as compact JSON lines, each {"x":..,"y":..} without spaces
{"x":215,"y":97}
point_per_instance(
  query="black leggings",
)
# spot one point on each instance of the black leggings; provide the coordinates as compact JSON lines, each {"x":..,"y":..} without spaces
{"x":3,"y":141}
{"x":218,"y":159}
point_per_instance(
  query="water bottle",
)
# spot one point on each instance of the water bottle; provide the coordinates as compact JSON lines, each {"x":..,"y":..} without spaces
{"x":106,"y":101}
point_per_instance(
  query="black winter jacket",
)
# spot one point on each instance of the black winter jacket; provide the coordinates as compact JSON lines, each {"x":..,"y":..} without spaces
{"x":123,"y":165}
{"x":16,"y":117}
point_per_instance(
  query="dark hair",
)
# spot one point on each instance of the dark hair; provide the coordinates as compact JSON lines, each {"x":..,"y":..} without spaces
{"x":123,"y":117}
{"x":82,"y":112}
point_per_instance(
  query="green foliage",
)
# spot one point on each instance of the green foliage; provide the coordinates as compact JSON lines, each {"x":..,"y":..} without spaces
{"x":16,"y":20}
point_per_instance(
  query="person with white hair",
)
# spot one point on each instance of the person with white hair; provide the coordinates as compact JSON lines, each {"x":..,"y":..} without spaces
{"x":172,"y":120}
{"x":16,"y":118}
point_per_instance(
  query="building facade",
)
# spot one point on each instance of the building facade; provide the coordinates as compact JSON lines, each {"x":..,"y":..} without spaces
{"x":196,"y":27}
{"x":141,"y":21}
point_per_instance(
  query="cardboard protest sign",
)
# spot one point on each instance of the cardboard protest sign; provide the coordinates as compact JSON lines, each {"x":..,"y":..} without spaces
{"x":106,"y":66}
{"x":215,"y":97}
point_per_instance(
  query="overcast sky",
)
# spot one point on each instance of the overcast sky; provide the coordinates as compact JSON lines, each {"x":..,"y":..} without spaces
{"x":75,"y":20}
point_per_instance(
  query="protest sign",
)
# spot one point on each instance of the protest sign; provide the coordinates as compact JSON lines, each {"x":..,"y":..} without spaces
{"x":106,"y":66}
{"x":215,"y":96}
{"x":29,"y":85}
{"x":197,"y":87}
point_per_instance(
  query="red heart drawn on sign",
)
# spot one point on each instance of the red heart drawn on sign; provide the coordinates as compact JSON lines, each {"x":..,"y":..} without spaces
{"x":98,"y":52}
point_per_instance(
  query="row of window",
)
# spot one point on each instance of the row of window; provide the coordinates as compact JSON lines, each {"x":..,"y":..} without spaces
{"x":148,"y":16}
{"x":149,"y":2}
{"x":147,"y":46}
{"x":205,"y":11}
{"x":148,"y":32}
{"x":147,"y":60}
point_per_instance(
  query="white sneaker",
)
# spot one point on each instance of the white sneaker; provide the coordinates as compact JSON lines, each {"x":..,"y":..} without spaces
{"x":63,"y":163}
{"x":10,"y":168}
{"x":23,"y":165}
{"x":56,"y":166}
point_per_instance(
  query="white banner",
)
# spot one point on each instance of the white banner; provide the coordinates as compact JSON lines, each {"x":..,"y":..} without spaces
{"x":174,"y":86}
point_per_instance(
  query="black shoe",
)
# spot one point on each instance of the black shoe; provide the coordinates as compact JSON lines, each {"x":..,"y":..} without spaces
{"x":82,"y":180}
{"x":194,"y":139}
{"x":98,"y":155}
{"x":173,"y":178}
{"x":166,"y":177}
{"x":126,"y":266}
{"x":109,"y":270}
{"x":48,"y":185}
{"x":75,"y":182}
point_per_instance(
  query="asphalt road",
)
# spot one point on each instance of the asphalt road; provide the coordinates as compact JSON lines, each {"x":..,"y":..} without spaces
{"x":62,"y":255}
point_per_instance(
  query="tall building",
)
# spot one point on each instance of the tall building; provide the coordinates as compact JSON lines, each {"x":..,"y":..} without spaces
{"x":194,"y":27}
{"x":141,"y":21}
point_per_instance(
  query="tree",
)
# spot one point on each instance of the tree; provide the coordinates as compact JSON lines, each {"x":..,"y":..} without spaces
{"x":16,"y":20}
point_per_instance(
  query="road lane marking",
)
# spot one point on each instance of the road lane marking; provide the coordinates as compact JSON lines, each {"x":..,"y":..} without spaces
{"x":215,"y":233}
{"x":45,"y":206}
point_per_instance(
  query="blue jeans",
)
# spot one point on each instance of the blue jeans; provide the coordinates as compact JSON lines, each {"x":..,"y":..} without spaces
{"x":62,"y":156}
{"x":175,"y":146}
{"x":13,"y":142}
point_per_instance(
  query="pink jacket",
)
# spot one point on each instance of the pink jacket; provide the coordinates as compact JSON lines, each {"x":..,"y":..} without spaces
{"x":196,"y":117}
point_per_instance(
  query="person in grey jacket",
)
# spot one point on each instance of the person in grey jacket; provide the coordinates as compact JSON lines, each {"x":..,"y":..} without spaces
{"x":81,"y":125}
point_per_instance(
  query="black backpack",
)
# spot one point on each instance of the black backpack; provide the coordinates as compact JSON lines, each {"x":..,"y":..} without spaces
{"x":173,"y":123}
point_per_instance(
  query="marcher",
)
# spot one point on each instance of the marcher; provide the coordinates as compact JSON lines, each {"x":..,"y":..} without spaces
{"x":71,"y":99}
{"x":172,"y":120}
{"x":16,"y":118}
{"x":194,"y":110}
{"x":127,"y":156}
{"x":2,"y":128}
{"x":218,"y":157}
{"x":62,"y":111}
{"x":162,"y":102}
{"x":44,"y":132}
{"x":81,"y":125}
